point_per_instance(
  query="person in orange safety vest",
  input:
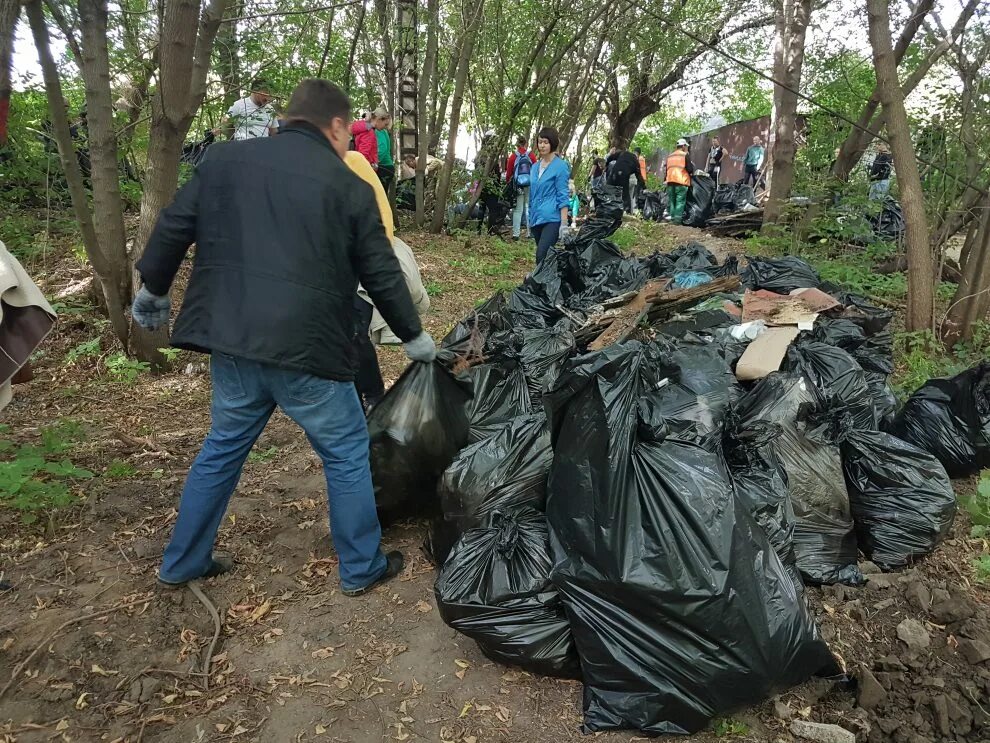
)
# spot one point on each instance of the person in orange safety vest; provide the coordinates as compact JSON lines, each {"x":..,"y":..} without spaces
{"x":678,"y":179}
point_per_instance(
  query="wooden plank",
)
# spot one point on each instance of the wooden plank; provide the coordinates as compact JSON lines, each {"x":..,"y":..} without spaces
{"x":625,"y":323}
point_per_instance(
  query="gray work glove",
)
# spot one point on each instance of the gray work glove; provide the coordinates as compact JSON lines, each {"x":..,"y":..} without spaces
{"x":566,"y":231}
{"x":149,"y":310}
{"x":421,"y":348}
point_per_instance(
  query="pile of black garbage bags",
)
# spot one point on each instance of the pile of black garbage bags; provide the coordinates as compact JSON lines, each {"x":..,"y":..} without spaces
{"x":637,"y":518}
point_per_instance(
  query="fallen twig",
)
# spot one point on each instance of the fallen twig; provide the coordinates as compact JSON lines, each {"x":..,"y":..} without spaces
{"x":198,"y":593}
{"x":58,"y":630}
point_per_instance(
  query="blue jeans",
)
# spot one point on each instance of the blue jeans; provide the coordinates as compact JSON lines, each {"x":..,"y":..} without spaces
{"x":522,"y":202}
{"x":879,"y":189}
{"x":245,"y":394}
{"x":546,"y":235}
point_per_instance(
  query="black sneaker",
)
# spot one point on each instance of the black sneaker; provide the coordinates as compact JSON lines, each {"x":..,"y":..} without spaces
{"x":394,"y":562}
{"x":219,"y":566}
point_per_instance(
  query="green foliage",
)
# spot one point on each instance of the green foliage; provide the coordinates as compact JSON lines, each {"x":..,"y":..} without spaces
{"x":118,"y":469}
{"x":981,"y":565}
{"x":85,"y":350}
{"x":434,"y":288}
{"x":263,"y":455}
{"x":751,"y":98}
{"x":34,"y":479}
{"x":978,"y":506}
{"x":123,"y":369}
{"x":921,"y":357}
{"x":170,"y":354}
{"x":662,"y":130}
{"x":726,"y":727}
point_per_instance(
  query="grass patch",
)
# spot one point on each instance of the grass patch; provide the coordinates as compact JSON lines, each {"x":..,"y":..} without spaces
{"x":726,"y":728}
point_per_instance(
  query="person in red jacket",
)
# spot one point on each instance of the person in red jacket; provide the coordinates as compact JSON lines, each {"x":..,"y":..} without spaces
{"x":365,"y":138}
{"x":520,"y":183}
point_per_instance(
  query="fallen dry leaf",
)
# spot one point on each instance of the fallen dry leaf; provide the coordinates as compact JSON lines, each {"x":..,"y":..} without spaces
{"x":422,"y":606}
{"x":466,"y":708}
{"x":503,"y":714}
{"x":320,"y":730}
{"x":461,"y":663}
{"x":81,"y":702}
{"x":460,"y":674}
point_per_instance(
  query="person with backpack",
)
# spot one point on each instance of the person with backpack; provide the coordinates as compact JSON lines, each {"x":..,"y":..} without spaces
{"x":518,"y":169}
{"x":621,"y":166}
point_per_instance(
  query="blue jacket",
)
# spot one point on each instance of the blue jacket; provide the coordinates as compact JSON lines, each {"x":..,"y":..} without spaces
{"x":549,"y":194}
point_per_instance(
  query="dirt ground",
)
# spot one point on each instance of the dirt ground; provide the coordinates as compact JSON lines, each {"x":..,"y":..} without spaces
{"x":94,"y":650}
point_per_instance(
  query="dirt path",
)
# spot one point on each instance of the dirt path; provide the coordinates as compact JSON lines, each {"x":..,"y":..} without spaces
{"x":295,"y":660}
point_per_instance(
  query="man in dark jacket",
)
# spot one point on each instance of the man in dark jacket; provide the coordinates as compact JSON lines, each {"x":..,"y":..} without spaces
{"x":880,"y":172}
{"x":622,"y":165}
{"x":283,"y":231}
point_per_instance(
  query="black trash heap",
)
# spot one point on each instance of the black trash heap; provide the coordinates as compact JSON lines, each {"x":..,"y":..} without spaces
{"x":610,"y":503}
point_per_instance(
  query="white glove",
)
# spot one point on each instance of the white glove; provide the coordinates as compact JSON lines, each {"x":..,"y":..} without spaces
{"x":700,"y":172}
{"x":421,"y":348}
{"x":566,"y":231}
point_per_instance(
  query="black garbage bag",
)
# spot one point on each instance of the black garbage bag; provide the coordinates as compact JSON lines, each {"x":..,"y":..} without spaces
{"x":416,"y":431}
{"x":834,"y":373}
{"x":654,"y":205}
{"x":500,"y":394}
{"x":760,"y":483}
{"x":542,"y":356}
{"x":680,"y":609}
{"x":724,"y":199}
{"x":901,"y":498}
{"x":743,"y":196}
{"x":700,"y":206}
{"x":780,"y":275}
{"x":874,"y":353}
{"x":657,"y":265}
{"x":607,"y":216}
{"x":468,"y":336}
{"x":888,"y":223}
{"x":495,"y":588}
{"x":692,"y":256}
{"x":698,"y":323}
{"x":535,"y":302}
{"x":698,"y":390}
{"x":824,"y":536}
{"x":597,"y":271}
{"x":870,"y":318}
{"x":950,"y":418}
{"x":504,"y":472}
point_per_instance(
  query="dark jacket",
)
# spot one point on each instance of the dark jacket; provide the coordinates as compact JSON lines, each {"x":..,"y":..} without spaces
{"x":880,"y":170}
{"x":283,"y":231}
{"x":626,"y":165}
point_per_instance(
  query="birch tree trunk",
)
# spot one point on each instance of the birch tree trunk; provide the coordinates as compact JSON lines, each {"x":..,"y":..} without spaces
{"x":423,"y":119}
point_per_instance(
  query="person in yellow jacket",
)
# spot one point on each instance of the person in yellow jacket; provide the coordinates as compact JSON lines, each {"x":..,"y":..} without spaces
{"x":678,"y":180}
{"x":368,"y":380}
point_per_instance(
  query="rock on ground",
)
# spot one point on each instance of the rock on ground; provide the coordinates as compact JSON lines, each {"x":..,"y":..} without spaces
{"x":820,"y":733}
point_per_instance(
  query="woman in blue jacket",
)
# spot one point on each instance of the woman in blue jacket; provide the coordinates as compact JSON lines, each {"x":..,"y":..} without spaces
{"x":548,"y":194}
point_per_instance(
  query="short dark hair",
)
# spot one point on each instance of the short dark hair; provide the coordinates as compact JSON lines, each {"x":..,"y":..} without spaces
{"x":550,"y":134}
{"x":261,"y":85}
{"x":639,"y":151}
{"x":521,"y":140}
{"x":317,"y":102}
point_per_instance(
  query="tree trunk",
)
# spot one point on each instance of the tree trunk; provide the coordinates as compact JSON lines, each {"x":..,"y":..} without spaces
{"x":792,"y":27}
{"x":102,"y":267}
{"x":426,"y":83}
{"x":441,"y":99}
{"x":972,"y":298}
{"x":460,"y":79}
{"x":108,"y":208}
{"x":921,"y":273}
{"x":185,"y":49}
{"x":9,"y":10}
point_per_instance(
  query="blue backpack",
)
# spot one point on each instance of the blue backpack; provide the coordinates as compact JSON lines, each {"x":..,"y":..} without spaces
{"x":524,"y":167}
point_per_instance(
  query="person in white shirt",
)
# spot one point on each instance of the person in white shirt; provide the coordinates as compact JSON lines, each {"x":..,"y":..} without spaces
{"x":251,"y":117}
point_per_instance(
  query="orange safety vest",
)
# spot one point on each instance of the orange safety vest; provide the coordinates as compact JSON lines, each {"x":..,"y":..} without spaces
{"x":677,"y":169}
{"x":642,"y":166}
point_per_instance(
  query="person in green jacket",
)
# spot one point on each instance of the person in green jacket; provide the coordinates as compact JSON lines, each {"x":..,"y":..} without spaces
{"x":386,"y":164}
